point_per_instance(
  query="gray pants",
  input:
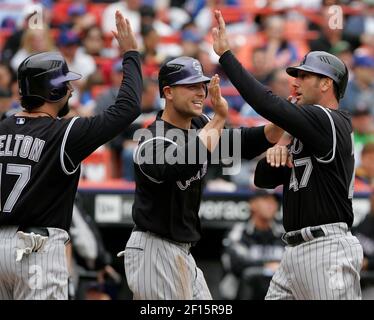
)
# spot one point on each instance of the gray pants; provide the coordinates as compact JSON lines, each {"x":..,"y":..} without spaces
{"x":40,"y":275}
{"x":159,"y":269}
{"x":324,"y":268}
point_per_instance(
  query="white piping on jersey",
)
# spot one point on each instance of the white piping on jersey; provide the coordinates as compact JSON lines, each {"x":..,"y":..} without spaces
{"x":136,"y":156}
{"x":62,"y":150}
{"x":203,"y":114}
{"x":333,"y":136}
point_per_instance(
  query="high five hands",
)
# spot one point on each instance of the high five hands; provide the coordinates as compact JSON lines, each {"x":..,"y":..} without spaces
{"x":124,"y":34}
{"x":220,"y":40}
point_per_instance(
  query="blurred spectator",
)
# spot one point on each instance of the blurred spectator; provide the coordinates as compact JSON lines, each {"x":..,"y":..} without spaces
{"x":208,"y":61}
{"x":32,"y":41}
{"x":252,"y":250}
{"x":6,"y":76}
{"x":202,"y":14}
{"x":149,"y":108}
{"x":148,"y":17}
{"x":9,"y":100}
{"x":13,"y":10}
{"x":5,"y":102}
{"x":191,"y":39}
{"x":360,"y":90}
{"x":68,"y":43}
{"x":343,"y":50}
{"x":123,"y":145}
{"x":108,"y":97}
{"x":260,"y":68}
{"x":92,"y":275}
{"x":363,"y":130}
{"x":29,"y":21}
{"x":150,"y":56}
{"x":279,"y":52}
{"x":327,"y":36}
{"x":278,"y":82}
{"x":129,"y":9}
{"x":365,"y":234}
{"x":365,"y":171}
{"x":360,"y":25}
{"x":94,"y":44}
{"x":87,"y":104}
{"x":79,"y":19}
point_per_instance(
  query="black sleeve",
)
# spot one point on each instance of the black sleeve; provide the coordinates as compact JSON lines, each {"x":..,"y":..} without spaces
{"x":162,"y":160}
{"x":268,"y":177}
{"x":87,"y":134}
{"x":241,"y":143}
{"x":308,"y":123}
{"x":253,"y":142}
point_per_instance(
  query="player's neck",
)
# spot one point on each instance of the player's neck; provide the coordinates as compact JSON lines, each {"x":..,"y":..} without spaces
{"x":39,"y":112}
{"x":175,"y":119}
{"x":328,"y":102}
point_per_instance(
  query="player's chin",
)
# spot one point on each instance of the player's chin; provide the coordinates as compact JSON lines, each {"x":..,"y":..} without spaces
{"x":197,"y":111}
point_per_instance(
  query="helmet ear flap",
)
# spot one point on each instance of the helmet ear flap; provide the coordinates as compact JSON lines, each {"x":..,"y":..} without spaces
{"x":58,"y":93}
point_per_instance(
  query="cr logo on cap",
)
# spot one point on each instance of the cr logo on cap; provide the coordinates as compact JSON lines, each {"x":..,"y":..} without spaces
{"x":197,"y":66}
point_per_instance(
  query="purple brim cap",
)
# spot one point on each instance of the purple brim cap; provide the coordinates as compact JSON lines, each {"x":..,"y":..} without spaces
{"x":70,"y":76}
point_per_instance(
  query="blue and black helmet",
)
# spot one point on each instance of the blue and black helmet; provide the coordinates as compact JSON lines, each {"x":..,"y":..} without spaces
{"x":182,"y":70}
{"x":325,"y":64}
{"x":45,"y":75}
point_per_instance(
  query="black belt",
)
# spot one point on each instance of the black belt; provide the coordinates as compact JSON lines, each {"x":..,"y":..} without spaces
{"x":297,"y":238}
{"x":37,"y":230}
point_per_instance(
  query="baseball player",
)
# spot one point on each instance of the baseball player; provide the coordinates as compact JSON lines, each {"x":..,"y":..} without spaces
{"x":322,"y":259}
{"x":157,"y":257}
{"x":40,"y":155}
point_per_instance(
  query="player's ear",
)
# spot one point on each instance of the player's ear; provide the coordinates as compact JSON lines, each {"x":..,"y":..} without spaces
{"x":326,"y":84}
{"x":167,"y":92}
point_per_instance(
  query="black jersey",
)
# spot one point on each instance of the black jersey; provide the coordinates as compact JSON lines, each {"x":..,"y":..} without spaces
{"x":319,"y":188}
{"x":168,"y":195}
{"x":40,"y":157}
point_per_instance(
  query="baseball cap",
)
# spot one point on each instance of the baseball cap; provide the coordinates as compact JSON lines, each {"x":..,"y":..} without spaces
{"x":68,"y":37}
{"x":363,"y":60}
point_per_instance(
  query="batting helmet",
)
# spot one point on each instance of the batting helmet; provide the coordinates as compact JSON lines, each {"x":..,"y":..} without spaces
{"x":45,"y":75}
{"x":326,"y":64}
{"x":182,"y":70}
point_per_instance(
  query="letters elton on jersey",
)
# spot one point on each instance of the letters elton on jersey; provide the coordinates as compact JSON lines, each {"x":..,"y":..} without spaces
{"x":22,"y":146}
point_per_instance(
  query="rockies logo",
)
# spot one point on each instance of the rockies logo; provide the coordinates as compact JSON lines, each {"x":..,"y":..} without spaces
{"x":197,"y":66}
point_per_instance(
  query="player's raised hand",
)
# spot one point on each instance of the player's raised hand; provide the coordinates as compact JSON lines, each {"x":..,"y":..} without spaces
{"x":124,"y":34}
{"x":279,"y":156}
{"x":219,"y":103}
{"x":220,"y":40}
